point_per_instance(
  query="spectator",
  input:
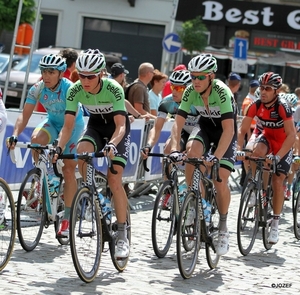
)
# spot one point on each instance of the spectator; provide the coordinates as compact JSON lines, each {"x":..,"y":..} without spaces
{"x":118,"y":72}
{"x":284,"y":88}
{"x":234,"y":83}
{"x":70,"y":55}
{"x":138,"y":94}
{"x":157,"y":84}
{"x":167,"y":90}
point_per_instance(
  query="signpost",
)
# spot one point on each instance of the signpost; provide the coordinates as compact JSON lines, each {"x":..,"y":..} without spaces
{"x":171,"y":43}
{"x":239,"y":62}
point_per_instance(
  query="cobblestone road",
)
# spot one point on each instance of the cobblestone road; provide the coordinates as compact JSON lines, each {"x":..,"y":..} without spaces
{"x":49,"y":268}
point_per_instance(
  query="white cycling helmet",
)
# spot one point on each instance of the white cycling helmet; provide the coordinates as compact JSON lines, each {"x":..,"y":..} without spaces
{"x":257,"y":93}
{"x":53,"y":61}
{"x":291,"y":99}
{"x":181,"y":77}
{"x":203,"y":63}
{"x":91,"y":60}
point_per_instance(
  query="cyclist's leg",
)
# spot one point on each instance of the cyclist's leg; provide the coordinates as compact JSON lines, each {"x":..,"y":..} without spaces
{"x":70,"y":186}
{"x":278,"y":194}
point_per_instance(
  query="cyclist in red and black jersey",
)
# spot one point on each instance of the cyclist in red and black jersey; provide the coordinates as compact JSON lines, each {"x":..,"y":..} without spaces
{"x":276,"y":140}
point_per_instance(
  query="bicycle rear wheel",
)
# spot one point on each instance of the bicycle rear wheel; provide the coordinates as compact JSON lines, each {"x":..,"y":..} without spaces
{"x":163,"y":220}
{"x":30,"y":210}
{"x":85,"y":235}
{"x":297,"y":217}
{"x":269,"y":217}
{"x":188,"y":236}
{"x":247,"y":223}
{"x":7,"y":224}
{"x":119,"y":264}
{"x":213,"y":230}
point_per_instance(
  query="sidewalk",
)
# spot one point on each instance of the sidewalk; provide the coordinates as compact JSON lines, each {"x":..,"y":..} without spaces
{"x":49,"y":268}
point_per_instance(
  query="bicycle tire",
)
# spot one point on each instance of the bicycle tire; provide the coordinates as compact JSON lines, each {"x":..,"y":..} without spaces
{"x":247,"y":222}
{"x":267,"y":228}
{"x":7,"y":226}
{"x":163,"y":219}
{"x":188,"y":233}
{"x":119,"y":264}
{"x":31,"y":212}
{"x":296,"y":218}
{"x":295,"y":191}
{"x":212,"y":257}
{"x":85,"y":235}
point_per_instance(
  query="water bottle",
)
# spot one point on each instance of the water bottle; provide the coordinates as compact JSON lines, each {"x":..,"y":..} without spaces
{"x":182,"y":189}
{"x":105,"y":207}
{"x":206,"y":211}
{"x":53,"y":180}
{"x":2,"y":205}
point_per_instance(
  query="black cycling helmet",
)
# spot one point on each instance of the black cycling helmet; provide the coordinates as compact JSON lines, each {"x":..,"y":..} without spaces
{"x":270,"y":78}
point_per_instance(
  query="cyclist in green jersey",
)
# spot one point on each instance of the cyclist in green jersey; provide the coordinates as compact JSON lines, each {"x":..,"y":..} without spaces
{"x":104,"y":100}
{"x":217,"y":124}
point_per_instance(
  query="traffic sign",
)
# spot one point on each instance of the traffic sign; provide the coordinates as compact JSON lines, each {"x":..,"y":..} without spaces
{"x":240,"y":48}
{"x":171,"y":43}
{"x":239,"y":66}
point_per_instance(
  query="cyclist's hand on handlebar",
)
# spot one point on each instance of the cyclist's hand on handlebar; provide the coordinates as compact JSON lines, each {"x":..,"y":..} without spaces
{"x":210,"y":159}
{"x":271,"y":158}
{"x":145,"y":151}
{"x":240,"y":155}
{"x":176,"y":156}
{"x":11,"y":141}
{"x":110,"y":150}
{"x":55,"y":153}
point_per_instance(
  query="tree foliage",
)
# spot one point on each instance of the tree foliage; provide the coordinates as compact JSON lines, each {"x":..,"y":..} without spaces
{"x":192,"y":35}
{"x":9,"y":10}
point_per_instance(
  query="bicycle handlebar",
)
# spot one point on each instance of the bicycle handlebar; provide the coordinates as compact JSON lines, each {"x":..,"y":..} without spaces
{"x":87,"y":156}
{"x":263,"y":159}
{"x":153,"y":155}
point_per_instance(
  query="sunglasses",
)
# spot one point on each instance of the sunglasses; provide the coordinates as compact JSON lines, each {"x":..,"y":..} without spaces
{"x":267,"y":88}
{"x":201,"y":77}
{"x":89,"y":77}
{"x":177,"y":88}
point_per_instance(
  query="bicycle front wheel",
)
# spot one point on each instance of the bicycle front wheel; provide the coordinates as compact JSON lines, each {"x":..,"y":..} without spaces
{"x":213,"y":230}
{"x":297,"y":217}
{"x":268,"y":211}
{"x":296,"y":186}
{"x":85,"y":235}
{"x":247,"y":223}
{"x":30,"y":210}
{"x":7,"y":224}
{"x":163,"y":220}
{"x":188,"y":236}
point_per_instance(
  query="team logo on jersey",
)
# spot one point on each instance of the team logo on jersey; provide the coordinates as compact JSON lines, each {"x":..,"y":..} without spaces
{"x":273,"y":115}
{"x":45,"y":96}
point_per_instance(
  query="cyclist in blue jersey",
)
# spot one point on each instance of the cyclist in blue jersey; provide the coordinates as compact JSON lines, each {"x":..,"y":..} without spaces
{"x":217,"y":124}
{"x":105,"y":101}
{"x":51,"y":92}
{"x":179,"y":80}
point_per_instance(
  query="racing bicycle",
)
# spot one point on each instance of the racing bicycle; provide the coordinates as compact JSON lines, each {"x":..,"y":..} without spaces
{"x":90,"y":226}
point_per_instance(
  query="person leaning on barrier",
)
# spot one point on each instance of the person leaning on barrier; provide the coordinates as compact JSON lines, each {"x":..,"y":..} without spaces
{"x":3,"y":114}
{"x":275,"y":142}
{"x":104,"y":100}
{"x":168,"y":107}
{"x":215,"y":103}
{"x":51,"y":92}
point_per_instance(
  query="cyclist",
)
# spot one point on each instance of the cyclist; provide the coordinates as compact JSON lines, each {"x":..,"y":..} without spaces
{"x":3,"y":114}
{"x":51,"y":92}
{"x":104,"y":100}
{"x":215,"y":103}
{"x":277,"y":138}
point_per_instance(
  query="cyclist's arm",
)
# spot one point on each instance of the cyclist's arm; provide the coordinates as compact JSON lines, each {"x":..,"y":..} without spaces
{"x":66,"y":131}
{"x":176,"y":132}
{"x":242,"y":131}
{"x":226,"y":138}
{"x":120,"y":123}
{"x":131,"y":110}
{"x":290,"y":132}
{"x":155,"y":131}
